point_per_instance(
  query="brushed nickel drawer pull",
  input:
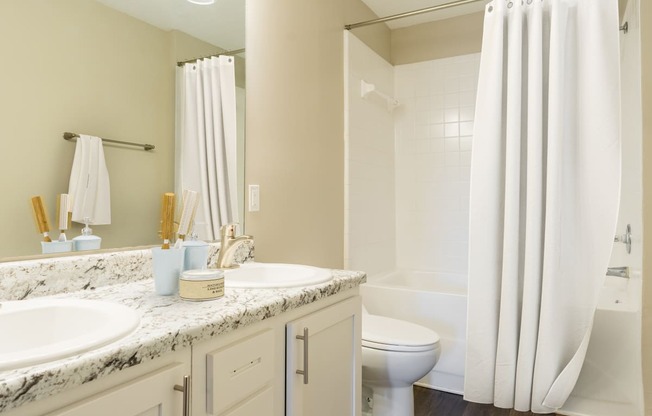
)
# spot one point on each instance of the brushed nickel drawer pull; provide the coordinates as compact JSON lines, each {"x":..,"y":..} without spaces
{"x":304,"y":372}
{"x":185,"y":389}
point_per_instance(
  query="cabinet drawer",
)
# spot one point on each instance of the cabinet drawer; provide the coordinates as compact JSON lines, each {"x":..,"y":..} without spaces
{"x":238,"y":370}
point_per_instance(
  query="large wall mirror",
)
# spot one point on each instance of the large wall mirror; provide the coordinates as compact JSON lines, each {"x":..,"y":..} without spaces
{"x":105,"y":68}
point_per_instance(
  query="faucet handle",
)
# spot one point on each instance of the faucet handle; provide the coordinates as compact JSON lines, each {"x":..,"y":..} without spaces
{"x":228,"y":230}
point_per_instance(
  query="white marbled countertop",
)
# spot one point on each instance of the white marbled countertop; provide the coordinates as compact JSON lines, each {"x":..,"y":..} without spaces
{"x":167,"y":324}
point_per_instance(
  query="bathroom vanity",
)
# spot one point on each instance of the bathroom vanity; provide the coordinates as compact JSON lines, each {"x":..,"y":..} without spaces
{"x":293,"y":351}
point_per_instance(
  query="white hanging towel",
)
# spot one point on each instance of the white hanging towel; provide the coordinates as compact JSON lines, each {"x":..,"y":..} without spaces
{"x":89,"y":185}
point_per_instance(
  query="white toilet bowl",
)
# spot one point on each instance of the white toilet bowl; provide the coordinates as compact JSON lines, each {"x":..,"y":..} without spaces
{"x":395,"y":354}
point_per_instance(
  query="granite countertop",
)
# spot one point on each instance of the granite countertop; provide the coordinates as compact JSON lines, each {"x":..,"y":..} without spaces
{"x":167,"y":324}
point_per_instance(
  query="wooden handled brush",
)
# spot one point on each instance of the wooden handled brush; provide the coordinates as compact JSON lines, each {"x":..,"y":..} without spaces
{"x":62,"y":215}
{"x":167,"y":219}
{"x":41,"y":218}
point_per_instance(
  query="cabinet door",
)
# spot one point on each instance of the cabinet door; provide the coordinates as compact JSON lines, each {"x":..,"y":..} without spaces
{"x":150,"y":395}
{"x":331,"y":359}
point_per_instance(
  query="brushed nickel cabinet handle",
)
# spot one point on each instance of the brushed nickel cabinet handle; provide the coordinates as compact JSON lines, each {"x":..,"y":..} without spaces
{"x":185,"y":389}
{"x":304,"y":372}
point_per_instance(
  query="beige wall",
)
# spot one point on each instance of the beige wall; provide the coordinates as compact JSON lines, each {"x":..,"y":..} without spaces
{"x":76,"y":65}
{"x":295,"y":127}
{"x":440,"y":39}
{"x":377,"y":36}
{"x":646,"y":82}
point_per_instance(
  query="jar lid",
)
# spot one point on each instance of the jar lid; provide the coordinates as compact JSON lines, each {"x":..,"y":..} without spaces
{"x":205,"y":274}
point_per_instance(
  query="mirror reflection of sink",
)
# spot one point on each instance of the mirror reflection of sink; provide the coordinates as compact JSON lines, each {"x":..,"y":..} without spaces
{"x":274,"y":275}
{"x":40,"y":330}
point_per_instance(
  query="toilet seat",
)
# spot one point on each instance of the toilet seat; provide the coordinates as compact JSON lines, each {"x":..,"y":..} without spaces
{"x":382,"y":333}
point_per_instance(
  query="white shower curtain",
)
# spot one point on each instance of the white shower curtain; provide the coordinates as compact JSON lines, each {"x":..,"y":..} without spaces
{"x":545,"y":183}
{"x":207,"y":141}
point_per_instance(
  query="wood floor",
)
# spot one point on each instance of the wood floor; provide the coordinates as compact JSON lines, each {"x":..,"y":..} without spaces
{"x":437,"y":403}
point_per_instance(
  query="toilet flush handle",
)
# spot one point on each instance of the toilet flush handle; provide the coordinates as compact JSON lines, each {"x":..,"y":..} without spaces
{"x":304,"y":372}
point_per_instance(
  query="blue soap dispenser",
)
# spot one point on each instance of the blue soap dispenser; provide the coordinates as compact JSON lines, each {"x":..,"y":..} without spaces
{"x":87,"y":241}
{"x":196,"y":257}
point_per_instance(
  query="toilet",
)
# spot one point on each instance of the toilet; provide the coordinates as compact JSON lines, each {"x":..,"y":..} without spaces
{"x":395,"y":354}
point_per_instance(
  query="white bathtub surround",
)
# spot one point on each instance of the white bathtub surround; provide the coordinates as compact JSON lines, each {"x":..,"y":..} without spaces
{"x":370,"y":236}
{"x":407,"y":172}
{"x":631,"y":196}
{"x":42,"y":277}
{"x":407,"y":193}
{"x":545,"y":182}
{"x":433,"y":133}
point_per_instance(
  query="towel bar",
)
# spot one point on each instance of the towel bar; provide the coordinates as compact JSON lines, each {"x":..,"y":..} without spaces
{"x":70,"y":136}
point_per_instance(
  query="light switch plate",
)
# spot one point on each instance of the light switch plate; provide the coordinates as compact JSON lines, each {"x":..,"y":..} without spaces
{"x":254,"y":198}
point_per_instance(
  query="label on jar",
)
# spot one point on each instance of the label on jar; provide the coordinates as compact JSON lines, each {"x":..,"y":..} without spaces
{"x":201,"y":289}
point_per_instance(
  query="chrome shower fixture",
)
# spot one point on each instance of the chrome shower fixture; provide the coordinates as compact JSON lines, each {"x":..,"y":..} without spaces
{"x":626,"y":239}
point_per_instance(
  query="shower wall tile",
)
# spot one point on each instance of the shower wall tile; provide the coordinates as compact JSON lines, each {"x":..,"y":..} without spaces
{"x":407,"y":172}
{"x":370,"y":237}
{"x":433,"y":137}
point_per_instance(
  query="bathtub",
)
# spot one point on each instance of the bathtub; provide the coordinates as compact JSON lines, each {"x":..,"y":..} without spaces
{"x":434,"y":300}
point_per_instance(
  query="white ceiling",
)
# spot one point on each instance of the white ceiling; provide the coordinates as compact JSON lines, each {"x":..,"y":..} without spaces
{"x":221,"y":24}
{"x":390,"y":7}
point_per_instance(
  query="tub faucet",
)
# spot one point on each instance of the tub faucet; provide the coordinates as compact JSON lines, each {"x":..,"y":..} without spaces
{"x":618,"y":272}
{"x":229,"y":245}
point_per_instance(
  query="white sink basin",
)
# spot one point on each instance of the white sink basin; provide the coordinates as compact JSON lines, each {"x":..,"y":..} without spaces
{"x":275,"y":275}
{"x":40,"y":330}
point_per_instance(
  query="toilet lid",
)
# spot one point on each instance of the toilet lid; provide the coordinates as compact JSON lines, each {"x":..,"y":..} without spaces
{"x":389,"y":334}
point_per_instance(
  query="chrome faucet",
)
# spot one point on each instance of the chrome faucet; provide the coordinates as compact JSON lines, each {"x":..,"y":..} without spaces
{"x":229,"y":244}
{"x":618,"y":272}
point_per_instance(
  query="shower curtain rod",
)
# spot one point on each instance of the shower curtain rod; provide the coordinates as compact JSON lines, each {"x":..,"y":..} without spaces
{"x":408,"y":14}
{"x":233,"y":52}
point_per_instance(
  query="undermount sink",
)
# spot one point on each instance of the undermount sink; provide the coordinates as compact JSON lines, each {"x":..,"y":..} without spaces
{"x":40,"y":330}
{"x":274,"y":275}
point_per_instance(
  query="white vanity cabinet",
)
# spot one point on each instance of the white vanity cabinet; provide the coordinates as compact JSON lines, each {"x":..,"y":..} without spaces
{"x":147,"y":389}
{"x":240,"y":373}
{"x":246,"y":373}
